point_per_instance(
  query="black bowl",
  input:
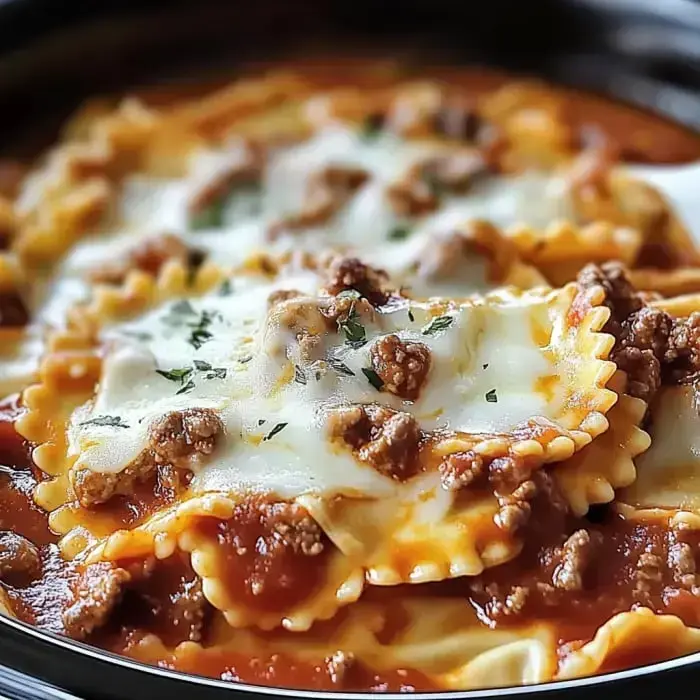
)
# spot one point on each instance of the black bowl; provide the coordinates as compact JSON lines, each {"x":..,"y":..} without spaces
{"x":54,"y":54}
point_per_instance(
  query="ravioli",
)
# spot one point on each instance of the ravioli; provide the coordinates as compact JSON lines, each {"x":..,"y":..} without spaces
{"x":322,"y":349}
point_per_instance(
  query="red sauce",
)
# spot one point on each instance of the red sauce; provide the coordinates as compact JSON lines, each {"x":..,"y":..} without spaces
{"x":17,"y":481}
{"x":609,"y":582}
{"x":284,"y":671}
{"x":260,"y":573}
{"x":153,"y":604}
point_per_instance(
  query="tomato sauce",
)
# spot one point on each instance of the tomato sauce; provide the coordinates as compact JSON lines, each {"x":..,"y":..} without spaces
{"x":257,"y":571}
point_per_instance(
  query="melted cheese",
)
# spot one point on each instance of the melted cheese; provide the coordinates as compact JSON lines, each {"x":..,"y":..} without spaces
{"x":668,"y":474}
{"x":149,"y":207}
{"x":487,"y":376}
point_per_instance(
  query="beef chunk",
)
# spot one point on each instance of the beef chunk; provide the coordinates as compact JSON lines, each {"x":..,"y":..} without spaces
{"x":183,"y":438}
{"x":387,"y":440}
{"x":403,"y":366}
{"x":96,"y":591}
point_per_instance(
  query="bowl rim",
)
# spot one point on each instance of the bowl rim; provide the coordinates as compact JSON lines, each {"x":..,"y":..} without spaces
{"x":93,"y":652}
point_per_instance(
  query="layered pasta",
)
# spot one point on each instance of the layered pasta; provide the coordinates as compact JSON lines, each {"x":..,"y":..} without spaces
{"x":352,"y":381}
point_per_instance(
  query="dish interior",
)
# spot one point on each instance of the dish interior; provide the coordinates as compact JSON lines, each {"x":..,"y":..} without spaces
{"x":344,"y":377}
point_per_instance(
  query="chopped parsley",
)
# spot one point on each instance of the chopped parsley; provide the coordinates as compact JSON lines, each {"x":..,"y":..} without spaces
{"x":355,"y":335}
{"x":491,"y":396}
{"x":216,"y":373}
{"x":439,"y":323}
{"x":277,"y":429}
{"x":411,"y":317}
{"x":340,"y":367}
{"x":211,"y":216}
{"x":399,"y":233}
{"x":200,"y":333}
{"x":245,"y":360}
{"x":138,"y":335}
{"x":372,"y":126}
{"x":299,"y":375}
{"x":261,"y":421}
{"x":226,"y":288}
{"x":111,"y":421}
{"x":183,"y":374}
{"x":373,"y":378}
{"x":211,"y":372}
{"x":175,"y":375}
{"x":186,"y":387}
{"x":182,"y":308}
{"x":485,"y":366}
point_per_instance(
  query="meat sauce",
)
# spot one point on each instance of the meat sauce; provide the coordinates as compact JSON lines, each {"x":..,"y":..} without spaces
{"x":630,"y":564}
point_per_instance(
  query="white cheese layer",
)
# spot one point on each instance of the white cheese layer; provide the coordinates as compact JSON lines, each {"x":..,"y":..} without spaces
{"x":366,"y":226}
{"x":486,"y":369}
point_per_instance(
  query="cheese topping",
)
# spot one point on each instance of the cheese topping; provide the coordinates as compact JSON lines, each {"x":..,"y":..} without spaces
{"x":227,"y":353}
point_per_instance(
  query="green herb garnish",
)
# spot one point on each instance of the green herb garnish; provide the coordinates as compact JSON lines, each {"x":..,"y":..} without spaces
{"x":411,"y":317}
{"x":187,"y":387}
{"x":340,"y":367}
{"x":211,"y":216}
{"x":491,"y":396}
{"x":138,"y":335}
{"x":355,"y":334}
{"x":439,"y":323}
{"x":373,"y":378}
{"x":372,"y":126}
{"x":299,"y":375}
{"x":177,"y":311}
{"x":217,"y":373}
{"x":485,"y":366}
{"x":277,"y":429}
{"x":110,"y":421}
{"x":175,"y":375}
{"x":200,"y":333}
{"x":226,"y":288}
{"x":399,"y":233}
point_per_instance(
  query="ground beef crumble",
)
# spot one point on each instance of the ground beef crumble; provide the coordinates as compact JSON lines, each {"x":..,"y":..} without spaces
{"x":177,"y":442}
{"x":96,"y":592}
{"x":20,"y":560}
{"x":183,"y":438}
{"x":403,"y":366}
{"x":385,"y":439}
{"x":150,"y":256}
{"x":292,"y":526}
{"x":641,"y":332}
{"x":682,"y":355}
{"x":94,"y":487}
{"x":593,"y":573}
{"x":13,"y":311}
{"x":326,"y":193}
{"x":346,"y":274}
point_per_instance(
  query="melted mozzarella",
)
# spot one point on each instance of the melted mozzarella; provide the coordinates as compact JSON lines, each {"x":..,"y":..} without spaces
{"x":149,"y":207}
{"x":276,"y":435}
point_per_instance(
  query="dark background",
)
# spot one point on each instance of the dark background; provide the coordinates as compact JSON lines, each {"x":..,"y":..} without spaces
{"x":53,"y":53}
